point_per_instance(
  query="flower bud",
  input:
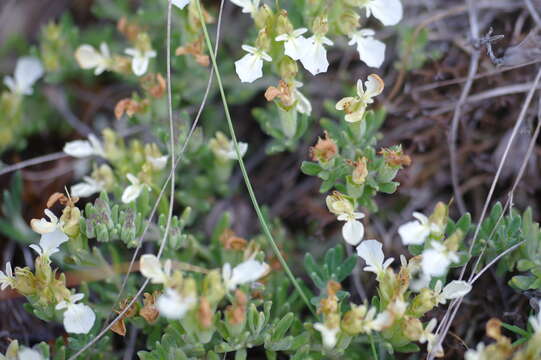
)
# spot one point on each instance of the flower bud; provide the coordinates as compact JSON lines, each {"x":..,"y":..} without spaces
{"x":337,"y":203}
{"x":320,"y":26}
{"x":283,"y":25}
{"x":263,"y":16}
{"x":288,"y":68}
{"x":413,"y":328}
{"x":348,"y":22}
{"x":71,"y":216}
{"x":263,"y":41}
{"x":360,"y":172}
{"x":213,"y":288}
{"x":439,"y":216}
{"x":422,"y":303}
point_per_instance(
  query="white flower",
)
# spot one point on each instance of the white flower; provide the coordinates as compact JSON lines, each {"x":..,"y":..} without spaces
{"x":224,"y":149}
{"x":27,"y":71}
{"x":88,"y":187}
{"x":51,"y":232}
{"x":436,"y":260}
{"x":133,"y":191}
{"x":246,"y":272}
{"x":303,"y":104}
{"x":89,"y":58}
{"x":371,"y":51}
{"x":151,"y":267}
{"x":78,"y":318}
{"x":139,"y":63}
{"x":477,"y":354}
{"x":328,"y":335}
{"x":376,"y":322}
{"x":535,"y":321}
{"x":158,"y":163}
{"x":29,"y":354}
{"x":250,"y":67}
{"x":181,"y":4}
{"x":172,"y":305}
{"x":353,"y":230}
{"x":389,"y":12}
{"x":295,"y":44}
{"x":453,"y":290}
{"x":314,"y":58}
{"x":427,"y":335}
{"x":6,"y":278}
{"x":248,"y":6}
{"x":415,"y":232}
{"x":85,"y":148}
{"x":372,"y":254}
{"x":355,"y":107}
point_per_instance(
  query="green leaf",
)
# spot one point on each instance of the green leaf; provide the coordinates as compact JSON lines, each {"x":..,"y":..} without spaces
{"x":310,"y":168}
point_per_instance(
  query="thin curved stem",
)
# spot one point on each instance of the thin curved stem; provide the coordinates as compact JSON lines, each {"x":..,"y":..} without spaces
{"x":253,"y":198}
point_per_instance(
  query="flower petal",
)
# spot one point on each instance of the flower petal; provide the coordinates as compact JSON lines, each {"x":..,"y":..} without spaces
{"x":27,"y":71}
{"x":371,"y":252}
{"x":79,"y":148}
{"x":456,"y":289}
{"x":389,"y":12}
{"x":181,"y":4}
{"x":374,"y":86}
{"x":353,"y":232}
{"x":151,"y":268}
{"x":246,"y":272}
{"x":249,"y":68}
{"x":79,"y":319}
{"x":413,"y":233}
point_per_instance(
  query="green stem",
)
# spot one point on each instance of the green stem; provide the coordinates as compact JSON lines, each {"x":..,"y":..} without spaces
{"x":243,"y":168}
{"x":373,"y":346}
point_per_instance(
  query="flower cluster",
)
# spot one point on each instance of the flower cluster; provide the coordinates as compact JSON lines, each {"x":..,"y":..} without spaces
{"x":44,"y":287}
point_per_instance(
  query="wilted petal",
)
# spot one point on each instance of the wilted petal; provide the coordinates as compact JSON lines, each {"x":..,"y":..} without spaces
{"x":374,"y":86}
{"x":353,"y":232}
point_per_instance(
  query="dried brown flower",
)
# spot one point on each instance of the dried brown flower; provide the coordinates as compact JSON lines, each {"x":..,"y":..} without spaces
{"x":128,"y":106}
{"x":231,"y":241}
{"x":395,"y":158}
{"x":324,"y":150}
{"x":195,"y":49}
{"x":149,"y":311}
{"x":283,"y":92}
{"x":204,"y":313}
{"x":129,"y":30}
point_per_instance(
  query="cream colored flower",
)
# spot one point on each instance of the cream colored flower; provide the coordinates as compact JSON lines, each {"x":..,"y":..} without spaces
{"x":355,"y":107}
{"x":89,"y":58}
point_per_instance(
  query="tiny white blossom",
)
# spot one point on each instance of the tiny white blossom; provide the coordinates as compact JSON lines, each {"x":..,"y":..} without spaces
{"x":27,"y":71}
{"x":314,"y":58}
{"x":295,"y":44}
{"x":29,"y":354}
{"x":371,"y":251}
{"x":376,"y":322}
{"x":141,"y":59}
{"x":389,"y":12}
{"x":181,"y":4}
{"x":88,"y":187}
{"x":51,"y":232}
{"x":436,"y":260}
{"x":151,"y":267}
{"x":157,"y":162}
{"x":453,"y":290}
{"x":371,"y":51}
{"x":303,"y":104}
{"x":132,"y":192}
{"x":85,"y":148}
{"x":477,"y":354}
{"x":415,"y":232}
{"x":224,"y":148}
{"x":248,"y":6}
{"x":6,"y":278}
{"x":355,"y":107}
{"x":353,"y":229}
{"x":250,"y":67}
{"x":89,"y":58}
{"x":246,"y":272}
{"x":78,"y":318}
{"x":328,"y":335}
{"x":174,"y":306}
